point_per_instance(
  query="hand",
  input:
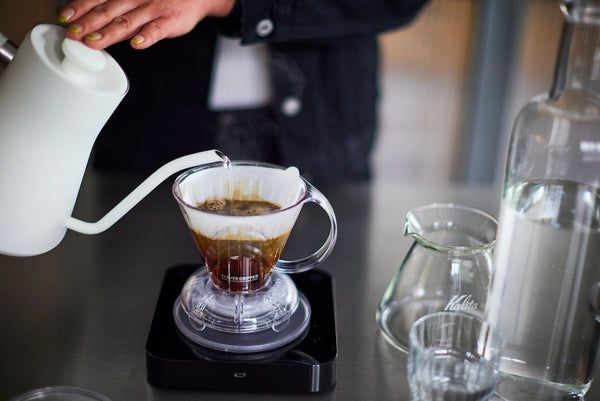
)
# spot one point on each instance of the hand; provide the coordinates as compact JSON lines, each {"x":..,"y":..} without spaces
{"x":101,"y":23}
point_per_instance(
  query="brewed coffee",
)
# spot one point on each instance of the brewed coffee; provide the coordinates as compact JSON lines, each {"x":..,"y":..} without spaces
{"x":238,"y":207}
{"x":240,"y":263}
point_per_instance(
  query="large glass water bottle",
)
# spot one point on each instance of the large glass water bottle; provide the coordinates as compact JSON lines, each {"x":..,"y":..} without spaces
{"x":547,"y":257}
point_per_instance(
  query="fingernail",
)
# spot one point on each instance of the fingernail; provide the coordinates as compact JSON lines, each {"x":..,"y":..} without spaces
{"x":93,"y":36}
{"x":66,"y":15}
{"x":75,"y":28}
{"x":138,"y":39}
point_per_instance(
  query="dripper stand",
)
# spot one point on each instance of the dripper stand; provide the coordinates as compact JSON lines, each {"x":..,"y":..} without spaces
{"x":203,"y":338}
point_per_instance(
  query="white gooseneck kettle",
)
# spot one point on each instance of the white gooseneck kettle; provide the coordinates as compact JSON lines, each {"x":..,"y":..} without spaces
{"x":55,"y":96}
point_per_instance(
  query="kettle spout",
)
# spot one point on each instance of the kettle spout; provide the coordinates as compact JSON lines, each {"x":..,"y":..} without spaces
{"x":139,"y":193}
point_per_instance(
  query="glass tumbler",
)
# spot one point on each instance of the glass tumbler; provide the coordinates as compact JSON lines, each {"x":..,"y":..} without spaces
{"x":453,"y":356}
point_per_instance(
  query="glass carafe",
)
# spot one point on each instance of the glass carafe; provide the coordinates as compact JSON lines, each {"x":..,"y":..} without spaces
{"x":447,"y":268}
{"x":547,"y":256}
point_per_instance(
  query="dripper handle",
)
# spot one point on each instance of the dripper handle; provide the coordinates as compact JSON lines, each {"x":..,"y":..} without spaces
{"x":139,"y":193}
{"x":309,"y":262}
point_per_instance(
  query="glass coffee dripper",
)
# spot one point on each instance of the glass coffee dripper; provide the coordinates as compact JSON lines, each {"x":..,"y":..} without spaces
{"x":447,"y":268}
{"x":240,"y":215}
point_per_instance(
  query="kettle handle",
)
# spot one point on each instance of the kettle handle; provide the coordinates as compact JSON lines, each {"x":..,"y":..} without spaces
{"x":139,"y":193}
{"x":7,"y":51}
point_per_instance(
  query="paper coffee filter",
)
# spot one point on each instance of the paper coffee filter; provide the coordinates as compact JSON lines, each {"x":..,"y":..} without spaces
{"x":282,"y":187}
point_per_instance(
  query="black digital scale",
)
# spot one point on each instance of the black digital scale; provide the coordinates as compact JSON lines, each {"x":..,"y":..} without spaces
{"x":306,"y":365}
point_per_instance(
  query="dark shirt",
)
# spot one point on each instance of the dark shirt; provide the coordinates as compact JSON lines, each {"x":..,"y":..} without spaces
{"x":322,"y":60}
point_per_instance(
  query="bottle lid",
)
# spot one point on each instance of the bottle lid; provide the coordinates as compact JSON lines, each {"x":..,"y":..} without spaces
{"x":581,"y":11}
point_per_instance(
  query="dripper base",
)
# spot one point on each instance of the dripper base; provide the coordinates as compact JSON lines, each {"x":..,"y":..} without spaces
{"x":204,"y":307}
{"x":242,"y":343}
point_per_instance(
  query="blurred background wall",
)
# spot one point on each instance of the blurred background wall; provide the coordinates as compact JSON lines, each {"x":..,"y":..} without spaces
{"x":18,"y":16}
{"x":451,"y":82}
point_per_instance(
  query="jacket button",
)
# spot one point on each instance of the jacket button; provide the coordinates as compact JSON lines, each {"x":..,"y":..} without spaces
{"x":291,"y":106}
{"x":264,"y":27}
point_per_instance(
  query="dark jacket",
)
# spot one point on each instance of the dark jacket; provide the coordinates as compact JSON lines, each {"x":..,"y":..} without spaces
{"x":323,"y":57}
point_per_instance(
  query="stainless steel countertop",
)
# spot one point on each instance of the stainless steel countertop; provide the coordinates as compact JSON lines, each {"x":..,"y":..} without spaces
{"x":79,"y":315}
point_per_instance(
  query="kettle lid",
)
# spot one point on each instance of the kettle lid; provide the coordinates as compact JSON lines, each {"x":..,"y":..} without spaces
{"x":85,"y":67}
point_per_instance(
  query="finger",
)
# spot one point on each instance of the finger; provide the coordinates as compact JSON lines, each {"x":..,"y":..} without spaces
{"x":150,"y":33}
{"x":98,"y":17}
{"x":121,"y":28}
{"x":75,"y":9}
{"x":164,"y":27}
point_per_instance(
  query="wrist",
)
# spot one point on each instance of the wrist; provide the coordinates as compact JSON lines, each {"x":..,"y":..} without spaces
{"x":223,"y":8}
{"x":231,"y":23}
